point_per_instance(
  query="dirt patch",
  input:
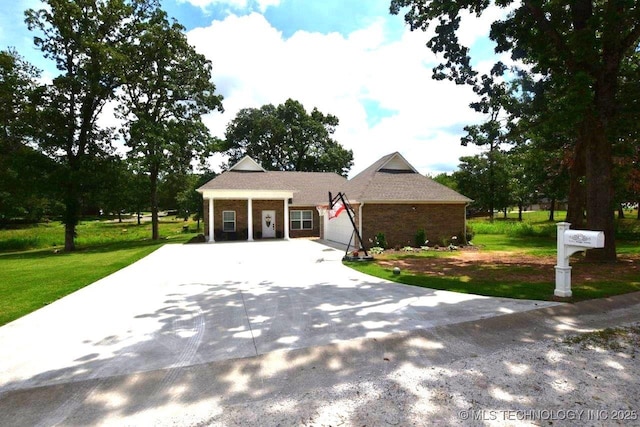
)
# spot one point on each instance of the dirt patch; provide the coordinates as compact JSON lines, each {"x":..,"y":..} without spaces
{"x":516,"y":267}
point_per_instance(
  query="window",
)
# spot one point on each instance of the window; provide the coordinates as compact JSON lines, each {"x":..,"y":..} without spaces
{"x":302,"y":220}
{"x":228,"y":220}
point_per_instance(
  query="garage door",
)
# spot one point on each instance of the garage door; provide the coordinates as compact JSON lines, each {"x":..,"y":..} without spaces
{"x":338,"y":229}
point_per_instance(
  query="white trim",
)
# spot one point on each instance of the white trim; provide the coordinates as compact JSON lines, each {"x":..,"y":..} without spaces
{"x":301,"y":220}
{"x":395,"y":156}
{"x":247,"y":194}
{"x":247,"y":164}
{"x":250,"y":220}
{"x":412,"y":202}
{"x":235,"y":227}
{"x":360,"y":219}
{"x":465,"y":224}
{"x":286,"y":219}
{"x":211,"y":234}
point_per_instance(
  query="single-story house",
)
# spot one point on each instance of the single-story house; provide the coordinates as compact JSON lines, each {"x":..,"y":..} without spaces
{"x":390,"y":196}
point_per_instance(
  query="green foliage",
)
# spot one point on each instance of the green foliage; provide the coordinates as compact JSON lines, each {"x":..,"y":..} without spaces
{"x":421,"y":238}
{"x":168,"y":90}
{"x":470,"y":233}
{"x":448,"y":180}
{"x":513,"y":228}
{"x":287,"y":138}
{"x":87,"y":40}
{"x":376,"y":250}
{"x":578,"y":84}
{"x":25,"y":175}
{"x":381,"y":240}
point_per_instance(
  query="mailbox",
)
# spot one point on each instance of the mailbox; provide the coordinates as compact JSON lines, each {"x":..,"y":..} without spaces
{"x":584,"y":238}
{"x":570,"y":242}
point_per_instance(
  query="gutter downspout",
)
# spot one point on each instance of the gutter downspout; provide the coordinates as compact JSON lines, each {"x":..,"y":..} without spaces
{"x":465,"y":223}
{"x":360,"y":217}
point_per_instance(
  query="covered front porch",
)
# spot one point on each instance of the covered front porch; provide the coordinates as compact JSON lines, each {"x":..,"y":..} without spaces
{"x":246,"y":214}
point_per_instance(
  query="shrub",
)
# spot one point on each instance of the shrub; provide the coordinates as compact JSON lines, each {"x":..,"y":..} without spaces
{"x":469,"y":235}
{"x":376,"y":250}
{"x":381,"y":240}
{"x":421,"y":238}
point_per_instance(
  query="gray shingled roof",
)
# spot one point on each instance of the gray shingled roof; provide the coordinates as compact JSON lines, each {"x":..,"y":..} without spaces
{"x":371,"y":185}
{"x":309,"y":188}
{"x":380,"y":185}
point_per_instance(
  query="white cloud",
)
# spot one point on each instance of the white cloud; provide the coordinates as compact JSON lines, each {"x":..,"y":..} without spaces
{"x":253,"y":64}
{"x":262,"y":5}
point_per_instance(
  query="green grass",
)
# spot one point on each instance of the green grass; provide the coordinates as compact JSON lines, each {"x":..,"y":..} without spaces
{"x":89,"y":233}
{"x":30,"y":279}
{"x":462,"y":284}
{"x":535,"y":236}
{"x":467,"y":284}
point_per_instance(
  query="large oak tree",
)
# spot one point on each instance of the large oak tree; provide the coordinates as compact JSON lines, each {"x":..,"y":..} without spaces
{"x":287,"y":138}
{"x":168,"y":90}
{"x":86,"y":39}
{"x":580,"y":46}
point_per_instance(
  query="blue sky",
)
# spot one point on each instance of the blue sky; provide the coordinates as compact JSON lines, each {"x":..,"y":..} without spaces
{"x":350,"y":58}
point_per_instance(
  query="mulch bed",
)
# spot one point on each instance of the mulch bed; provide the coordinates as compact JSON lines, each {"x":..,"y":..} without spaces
{"x":517,"y":267}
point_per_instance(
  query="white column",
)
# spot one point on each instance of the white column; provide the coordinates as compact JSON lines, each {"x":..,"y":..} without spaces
{"x":250,"y":219}
{"x":563,"y":270}
{"x":286,"y":219}
{"x":211,"y":225}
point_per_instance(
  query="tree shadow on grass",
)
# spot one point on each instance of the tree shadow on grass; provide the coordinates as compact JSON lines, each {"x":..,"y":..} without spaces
{"x":80,"y":249}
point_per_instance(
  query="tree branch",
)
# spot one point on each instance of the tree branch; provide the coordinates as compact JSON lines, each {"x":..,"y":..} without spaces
{"x":555,"y":38}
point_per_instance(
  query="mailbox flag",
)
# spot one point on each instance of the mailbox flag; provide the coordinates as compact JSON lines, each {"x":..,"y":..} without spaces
{"x":338,"y":207}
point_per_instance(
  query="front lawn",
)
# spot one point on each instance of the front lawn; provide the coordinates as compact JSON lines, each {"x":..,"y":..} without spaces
{"x":514,"y":260}
{"x":30,"y":279}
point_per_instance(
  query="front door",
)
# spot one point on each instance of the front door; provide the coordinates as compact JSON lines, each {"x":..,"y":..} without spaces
{"x":268,"y":224}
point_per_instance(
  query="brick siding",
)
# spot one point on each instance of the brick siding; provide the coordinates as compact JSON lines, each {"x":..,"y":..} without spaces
{"x":400,"y":222}
{"x":240,"y":207}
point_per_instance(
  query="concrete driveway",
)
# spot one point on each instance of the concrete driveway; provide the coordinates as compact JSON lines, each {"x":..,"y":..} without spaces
{"x":187,"y":305}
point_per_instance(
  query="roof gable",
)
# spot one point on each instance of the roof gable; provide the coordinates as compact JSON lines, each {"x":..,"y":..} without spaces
{"x":247,"y":164}
{"x":396,"y":163}
{"x":393,"y":179}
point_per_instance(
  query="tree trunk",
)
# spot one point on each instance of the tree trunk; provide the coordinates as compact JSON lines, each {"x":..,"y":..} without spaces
{"x":69,"y":237}
{"x":620,"y":211}
{"x":552,"y":210}
{"x":139,"y":217}
{"x":71,"y":213}
{"x":491,"y":185}
{"x":577,"y":196}
{"x":520,"y":211}
{"x":599,"y":165}
{"x":119,"y":217}
{"x":505,"y":213}
{"x":153,"y":176}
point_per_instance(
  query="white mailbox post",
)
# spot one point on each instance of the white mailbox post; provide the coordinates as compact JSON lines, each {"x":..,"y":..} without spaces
{"x":570,"y":242}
